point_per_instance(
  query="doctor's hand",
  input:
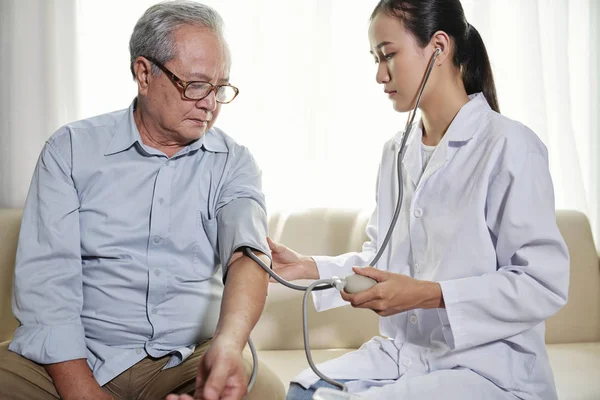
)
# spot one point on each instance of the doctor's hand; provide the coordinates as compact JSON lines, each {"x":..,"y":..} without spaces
{"x":221,"y":375}
{"x":395,"y":293}
{"x":290,"y":265}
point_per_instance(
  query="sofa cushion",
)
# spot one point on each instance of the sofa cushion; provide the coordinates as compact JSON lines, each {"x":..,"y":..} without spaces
{"x":579,"y":320}
{"x":280,"y":325}
{"x":10,"y":222}
{"x":576,"y":370}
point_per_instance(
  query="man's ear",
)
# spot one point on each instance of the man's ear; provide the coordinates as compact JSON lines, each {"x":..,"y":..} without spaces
{"x":142,"y":69}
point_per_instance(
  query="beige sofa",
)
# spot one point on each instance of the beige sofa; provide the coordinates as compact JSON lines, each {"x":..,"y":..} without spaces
{"x":573,"y":335}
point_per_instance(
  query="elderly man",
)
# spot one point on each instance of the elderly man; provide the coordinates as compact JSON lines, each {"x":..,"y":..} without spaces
{"x":133,"y":221}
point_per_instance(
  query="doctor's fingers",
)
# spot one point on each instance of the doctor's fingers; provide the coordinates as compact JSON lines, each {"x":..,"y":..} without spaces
{"x":378,"y":306}
{"x":274,"y":246}
{"x":356,"y":299}
{"x":382,"y":308}
{"x":289,"y":272}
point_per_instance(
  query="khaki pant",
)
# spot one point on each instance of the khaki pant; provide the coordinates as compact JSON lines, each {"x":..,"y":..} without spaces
{"x":22,"y":379}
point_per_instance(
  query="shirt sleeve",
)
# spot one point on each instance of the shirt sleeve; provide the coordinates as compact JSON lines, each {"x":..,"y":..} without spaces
{"x":241,"y":210}
{"x":532,"y":277}
{"x":47,"y":293}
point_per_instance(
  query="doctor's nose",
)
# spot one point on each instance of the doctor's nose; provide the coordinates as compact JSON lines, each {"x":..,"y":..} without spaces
{"x":382,"y":75}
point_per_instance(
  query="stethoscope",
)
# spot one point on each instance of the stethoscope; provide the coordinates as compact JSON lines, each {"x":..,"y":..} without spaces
{"x":352,"y":283}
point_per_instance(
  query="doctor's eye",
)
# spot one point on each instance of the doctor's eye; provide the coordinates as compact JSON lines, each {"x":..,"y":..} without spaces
{"x":389,"y":56}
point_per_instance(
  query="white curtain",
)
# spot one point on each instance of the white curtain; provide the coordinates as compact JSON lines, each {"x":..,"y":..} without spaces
{"x":38,"y":85}
{"x":309,"y":108}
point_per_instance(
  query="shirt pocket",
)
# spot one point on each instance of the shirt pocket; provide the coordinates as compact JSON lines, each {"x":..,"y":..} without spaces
{"x":205,"y":253}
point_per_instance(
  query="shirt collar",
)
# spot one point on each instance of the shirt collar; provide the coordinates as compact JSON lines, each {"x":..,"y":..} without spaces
{"x":212,"y":141}
{"x":469,"y":119}
{"x":127,"y":134}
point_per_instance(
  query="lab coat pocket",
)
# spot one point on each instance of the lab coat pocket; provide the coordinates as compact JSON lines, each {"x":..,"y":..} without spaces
{"x":506,"y":364}
{"x":205,"y":255}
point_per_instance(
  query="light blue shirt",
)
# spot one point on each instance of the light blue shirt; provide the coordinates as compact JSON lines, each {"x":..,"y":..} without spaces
{"x":121,"y":247}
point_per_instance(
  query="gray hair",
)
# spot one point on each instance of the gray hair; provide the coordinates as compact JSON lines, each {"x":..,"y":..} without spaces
{"x":152,"y":36}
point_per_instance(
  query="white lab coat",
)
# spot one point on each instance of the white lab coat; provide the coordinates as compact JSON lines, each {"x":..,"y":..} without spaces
{"x":480,"y":220}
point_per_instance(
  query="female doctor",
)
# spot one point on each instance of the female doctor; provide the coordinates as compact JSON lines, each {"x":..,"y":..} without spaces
{"x":476,"y":262}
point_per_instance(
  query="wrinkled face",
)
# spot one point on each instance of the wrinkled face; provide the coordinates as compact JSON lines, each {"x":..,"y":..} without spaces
{"x":401,"y":63}
{"x":201,"y":56}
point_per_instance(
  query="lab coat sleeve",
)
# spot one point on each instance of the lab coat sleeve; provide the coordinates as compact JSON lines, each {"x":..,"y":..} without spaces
{"x":531,"y":281}
{"x":341,"y":265}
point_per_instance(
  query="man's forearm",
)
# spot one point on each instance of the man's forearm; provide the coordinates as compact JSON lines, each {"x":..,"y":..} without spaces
{"x":74,"y":380}
{"x":243,"y":300}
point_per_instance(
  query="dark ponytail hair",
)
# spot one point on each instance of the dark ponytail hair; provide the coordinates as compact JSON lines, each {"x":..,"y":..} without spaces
{"x":422,"y":18}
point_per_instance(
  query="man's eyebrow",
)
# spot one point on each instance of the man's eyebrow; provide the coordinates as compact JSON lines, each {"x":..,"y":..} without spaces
{"x":195,"y":76}
{"x":198,"y":76}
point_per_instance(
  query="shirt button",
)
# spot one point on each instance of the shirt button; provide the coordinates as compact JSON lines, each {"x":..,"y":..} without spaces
{"x":417,"y":267}
{"x":412,"y":319}
{"x":161,"y":201}
{"x":418,"y":212}
{"x":168,"y":163}
{"x":156,"y":239}
{"x":154,"y":310}
{"x":157,"y":272}
{"x":138,"y":351}
{"x":407,"y":362}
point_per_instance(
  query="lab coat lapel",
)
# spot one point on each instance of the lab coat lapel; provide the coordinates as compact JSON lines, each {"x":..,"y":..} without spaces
{"x":438,"y":159}
{"x":412,"y":158}
{"x":468,"y":121}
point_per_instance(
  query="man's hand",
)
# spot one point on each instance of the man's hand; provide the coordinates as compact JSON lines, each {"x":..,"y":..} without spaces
{"x":395,"y":293}
{"x":221,"y":374}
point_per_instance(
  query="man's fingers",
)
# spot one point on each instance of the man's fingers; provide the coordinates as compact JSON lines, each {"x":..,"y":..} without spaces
{"x":200,"y":379}
{"x":215,"y":383}
{"x":235,"y":391}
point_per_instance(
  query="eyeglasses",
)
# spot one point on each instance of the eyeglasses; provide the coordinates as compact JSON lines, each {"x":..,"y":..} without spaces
{"x":197,"y":90}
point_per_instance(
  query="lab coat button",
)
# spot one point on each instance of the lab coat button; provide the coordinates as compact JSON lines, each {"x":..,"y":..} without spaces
{"x":418,"y":212}
{"x":417,"y":267}
{"x":412,"y":319}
